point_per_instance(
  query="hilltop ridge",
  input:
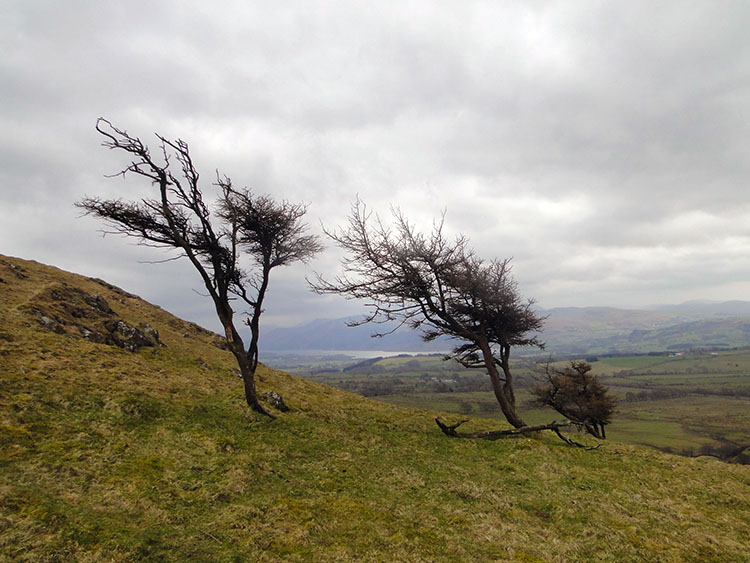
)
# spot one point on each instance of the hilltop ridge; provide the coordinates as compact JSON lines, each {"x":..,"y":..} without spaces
{"x":147,"y":451}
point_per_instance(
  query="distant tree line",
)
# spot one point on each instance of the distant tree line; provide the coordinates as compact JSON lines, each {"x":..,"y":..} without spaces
{"x":729,"y":452}
{"x":672,"y":393}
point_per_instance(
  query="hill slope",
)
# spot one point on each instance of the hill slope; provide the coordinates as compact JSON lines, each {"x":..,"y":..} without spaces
{"x":116,"y":452}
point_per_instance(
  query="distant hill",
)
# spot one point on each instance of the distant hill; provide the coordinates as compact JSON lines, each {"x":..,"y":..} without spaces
{"x":569,"y":330}
{"x":608,"y":330}
{"x":124,"y":436}
{"x":708,"y":309}
{"x":334,"y":334}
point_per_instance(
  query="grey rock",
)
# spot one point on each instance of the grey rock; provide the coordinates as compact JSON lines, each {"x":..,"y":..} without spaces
{"x":275,"y":400}
{"x":151,"y":333}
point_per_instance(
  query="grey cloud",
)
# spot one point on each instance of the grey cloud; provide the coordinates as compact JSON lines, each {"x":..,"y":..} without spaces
{"x":603,"y":145}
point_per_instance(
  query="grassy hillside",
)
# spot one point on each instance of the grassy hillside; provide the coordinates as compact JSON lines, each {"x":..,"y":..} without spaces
{"x":119,"y":455}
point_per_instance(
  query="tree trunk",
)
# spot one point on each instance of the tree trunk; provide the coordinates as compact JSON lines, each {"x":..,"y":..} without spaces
{"x":248,"y":379}
{"x":503,"y":393}
{"x":593,"y":429}
{"x":450,"y":430}
{"x":254,"y":321}
{"x":234,"y":340}
{"x":505,"y":365}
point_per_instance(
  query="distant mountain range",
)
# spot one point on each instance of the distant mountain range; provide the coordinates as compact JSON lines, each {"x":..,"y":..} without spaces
{"x":568,"y":330}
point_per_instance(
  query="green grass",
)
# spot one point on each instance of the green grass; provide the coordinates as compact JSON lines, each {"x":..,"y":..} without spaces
{"x":107,"y":455}
{"x":679,"y":424}
{"x":476,"y":403}
{"x":713,"y":395}
{"x":696,"y":399}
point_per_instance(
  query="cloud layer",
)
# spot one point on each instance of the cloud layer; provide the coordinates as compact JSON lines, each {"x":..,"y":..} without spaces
{"x":602,"y":145}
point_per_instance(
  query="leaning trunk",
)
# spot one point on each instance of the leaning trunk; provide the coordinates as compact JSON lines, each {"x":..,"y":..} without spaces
{"x":503,"y":393}
{"x":506,"y":405}
{"x":252,"y":349}
{"x":251,"y":394}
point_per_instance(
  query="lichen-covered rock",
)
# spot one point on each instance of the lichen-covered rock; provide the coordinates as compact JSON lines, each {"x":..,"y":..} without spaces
{"x":151,"y":333}
{"x":127,"y":336}
{"x":114,"y":288}
{"x":79,"y":304}
{"x":68,"y":310}
{"x":275,"y":400}
{"x":47,"y":321}
{"x":92,"y":335}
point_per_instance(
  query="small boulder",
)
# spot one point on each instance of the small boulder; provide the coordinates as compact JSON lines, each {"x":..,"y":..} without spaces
{"x":275,"y":400}
{"x":127,"y":336}
{"x":99,"y":303}
{"x":151,"y":333}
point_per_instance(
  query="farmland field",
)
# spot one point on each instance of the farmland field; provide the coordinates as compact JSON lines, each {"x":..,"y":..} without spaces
{"x":685,"y":403}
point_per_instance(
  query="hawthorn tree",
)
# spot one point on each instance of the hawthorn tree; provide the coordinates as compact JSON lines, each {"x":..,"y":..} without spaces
{"x":440,"y":286}
{"x":578,"y":395}
{"x":267,"y":232}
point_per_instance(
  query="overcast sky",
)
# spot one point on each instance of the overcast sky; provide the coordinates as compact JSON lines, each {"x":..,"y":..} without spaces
{"x":603,"y":145}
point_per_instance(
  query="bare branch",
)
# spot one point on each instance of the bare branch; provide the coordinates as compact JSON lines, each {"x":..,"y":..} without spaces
{"x":270,"y":233}
{"x":450,"y":430}
{"x":437,"y":286}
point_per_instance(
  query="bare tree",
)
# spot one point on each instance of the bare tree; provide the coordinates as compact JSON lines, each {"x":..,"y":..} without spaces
{"x":578,"y":396}
{"x":270,"y":233}
{"x":441,"y":287}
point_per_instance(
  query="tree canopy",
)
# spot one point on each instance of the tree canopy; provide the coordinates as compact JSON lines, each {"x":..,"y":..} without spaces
{"x":576,"y":394}
{"x":440,"y":286}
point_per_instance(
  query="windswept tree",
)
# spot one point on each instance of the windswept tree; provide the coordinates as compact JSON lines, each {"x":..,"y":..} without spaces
{"x":440,"y":286}
{"x":578,"y":395}
{"x":257,"y":231}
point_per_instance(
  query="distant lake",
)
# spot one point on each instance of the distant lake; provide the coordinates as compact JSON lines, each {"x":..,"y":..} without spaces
{"x":355,"y":354}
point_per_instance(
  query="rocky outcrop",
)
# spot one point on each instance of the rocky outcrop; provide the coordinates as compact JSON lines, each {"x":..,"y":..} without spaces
{"x":68,"y":310}
{"x":18,"y":271}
